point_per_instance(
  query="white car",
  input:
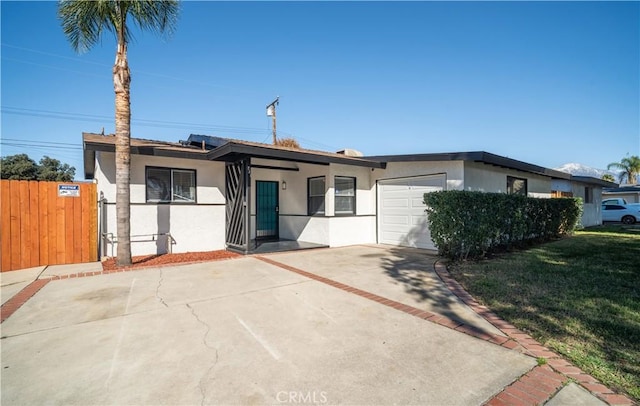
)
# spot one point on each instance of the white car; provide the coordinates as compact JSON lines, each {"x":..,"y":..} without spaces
{"x":627,"y":214}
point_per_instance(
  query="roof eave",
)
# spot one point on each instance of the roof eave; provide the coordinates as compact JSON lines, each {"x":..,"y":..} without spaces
{"x":231,"y":151}
{"x":150,"y":150}
{"x":594,"y":181}
{"x":476,"y":156}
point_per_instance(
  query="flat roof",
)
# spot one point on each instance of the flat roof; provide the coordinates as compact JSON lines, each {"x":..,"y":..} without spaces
{"x":235,"y":149}
{"x":594,"y":181}
{"x":229,"y":151}
{"x":99,"y":142}
{"x":623,"y":189}
{"x":476,"y":156}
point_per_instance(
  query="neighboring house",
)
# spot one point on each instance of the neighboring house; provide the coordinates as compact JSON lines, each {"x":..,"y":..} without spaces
{"x":211,"y":193}
{"x":630,"y":193}
{"x":589,"y":189}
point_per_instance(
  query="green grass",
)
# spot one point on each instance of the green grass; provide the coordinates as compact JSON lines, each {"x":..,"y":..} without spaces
{"x":579,"y":296}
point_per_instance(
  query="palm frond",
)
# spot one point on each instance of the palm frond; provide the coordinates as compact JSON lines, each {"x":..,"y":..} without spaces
{"x":84,"y":21}
{"x":160,"y":17}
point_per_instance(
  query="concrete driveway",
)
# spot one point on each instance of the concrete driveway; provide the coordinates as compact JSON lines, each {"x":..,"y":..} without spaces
{"x":244,"y":331}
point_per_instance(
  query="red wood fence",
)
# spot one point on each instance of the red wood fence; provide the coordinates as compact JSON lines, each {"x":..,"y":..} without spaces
{"x":47,"y":223}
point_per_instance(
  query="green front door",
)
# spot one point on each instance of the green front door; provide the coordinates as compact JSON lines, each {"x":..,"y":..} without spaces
{"x":266,"y":209}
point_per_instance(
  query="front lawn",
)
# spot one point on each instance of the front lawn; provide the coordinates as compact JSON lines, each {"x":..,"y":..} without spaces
{"x":579,"y":296}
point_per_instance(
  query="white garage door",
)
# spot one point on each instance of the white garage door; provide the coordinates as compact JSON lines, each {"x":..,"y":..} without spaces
{"x":401,"y":216}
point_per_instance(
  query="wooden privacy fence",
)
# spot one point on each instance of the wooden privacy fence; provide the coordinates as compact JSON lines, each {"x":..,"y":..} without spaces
{"x":47,"y":223}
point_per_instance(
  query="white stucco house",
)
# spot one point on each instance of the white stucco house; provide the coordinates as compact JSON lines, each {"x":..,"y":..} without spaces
{"x":210,"y":193}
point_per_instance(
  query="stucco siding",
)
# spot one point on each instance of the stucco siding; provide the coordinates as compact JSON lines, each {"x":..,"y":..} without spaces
{"x":328,"y":229}
{"x":292,"y":200}
{"x":195,"y":227}
{"x":313,"y":229}
{"x":561,"y":185}
{"x":591,"y":212}
{"x":352,"y":230}
{"x":492,"y":179}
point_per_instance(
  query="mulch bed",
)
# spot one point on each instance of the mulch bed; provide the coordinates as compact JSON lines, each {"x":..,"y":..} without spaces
{"x":144,"y":261}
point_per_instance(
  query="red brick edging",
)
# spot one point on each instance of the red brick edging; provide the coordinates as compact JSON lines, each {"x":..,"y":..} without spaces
{"x":426,"y":315}
{"x":521,"y":391}
{"x":13,"y":304}
{"x":535,"y":387}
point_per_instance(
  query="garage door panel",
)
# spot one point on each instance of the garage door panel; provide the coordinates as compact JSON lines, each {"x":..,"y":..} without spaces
{"x":393,"y":220}
{"x":397,"y":187}
{"x":418,"y":202}
{"x":403,"y":220}
{"x":392,"y":203}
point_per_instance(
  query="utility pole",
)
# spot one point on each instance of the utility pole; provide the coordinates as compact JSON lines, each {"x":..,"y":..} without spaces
{"x":271,"y":111}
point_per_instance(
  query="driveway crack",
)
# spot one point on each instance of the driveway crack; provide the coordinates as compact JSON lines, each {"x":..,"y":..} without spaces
{"x":204,"y":377}
{"x":158,"y":290}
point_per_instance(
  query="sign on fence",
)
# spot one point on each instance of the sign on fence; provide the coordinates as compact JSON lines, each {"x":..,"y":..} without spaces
{"x":69,"y":190}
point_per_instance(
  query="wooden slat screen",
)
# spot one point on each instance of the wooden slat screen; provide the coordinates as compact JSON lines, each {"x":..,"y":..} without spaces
{"x":39,"y":227}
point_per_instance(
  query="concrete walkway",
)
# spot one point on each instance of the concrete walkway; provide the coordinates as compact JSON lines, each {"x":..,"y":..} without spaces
{"x":256,"y":331}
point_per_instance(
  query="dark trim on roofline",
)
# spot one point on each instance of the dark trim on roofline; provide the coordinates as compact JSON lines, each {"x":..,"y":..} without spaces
{"x":232,"y":151}
{"x":146,"y":150}
{"x":475,"y":156}
{"x":90,"y":148}
{"x":622,"y":189}
{"x":278,"y":168}
{"x":593,"y":181}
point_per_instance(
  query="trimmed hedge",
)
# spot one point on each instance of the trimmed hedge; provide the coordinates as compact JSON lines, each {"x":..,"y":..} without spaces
{"x":472,"y":224}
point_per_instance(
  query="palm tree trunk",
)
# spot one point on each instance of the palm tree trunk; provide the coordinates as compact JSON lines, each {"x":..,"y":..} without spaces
{"x":121,"y":85}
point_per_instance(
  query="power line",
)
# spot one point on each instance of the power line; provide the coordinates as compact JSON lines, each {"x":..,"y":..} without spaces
{"x":4,"y":44}
{"x":138,"y":121}
{"x":41,"y":150}
{"x":30,"y":145}
{"x":52,"y":67}
{"x":157,"y":75}
{"x":40,"y":142}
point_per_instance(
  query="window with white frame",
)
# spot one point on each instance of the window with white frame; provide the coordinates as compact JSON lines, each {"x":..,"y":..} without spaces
{"x":516,"y":186}
{"x":345,"y":195}
{"x":170,"y":185}
{"x":315,"y":195}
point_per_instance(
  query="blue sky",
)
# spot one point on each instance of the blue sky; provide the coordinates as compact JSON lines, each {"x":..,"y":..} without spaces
{"x":543,"y":82}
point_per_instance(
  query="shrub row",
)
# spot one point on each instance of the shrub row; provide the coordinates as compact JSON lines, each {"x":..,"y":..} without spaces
{"x":472,"y":224}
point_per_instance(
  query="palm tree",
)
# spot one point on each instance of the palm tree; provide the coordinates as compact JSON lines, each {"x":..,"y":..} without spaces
{"x":630,"y":167}
{"x":608,"y":177}
{"x":83,"y":22}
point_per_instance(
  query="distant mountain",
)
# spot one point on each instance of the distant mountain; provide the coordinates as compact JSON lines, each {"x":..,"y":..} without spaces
{"x":583,"y":170}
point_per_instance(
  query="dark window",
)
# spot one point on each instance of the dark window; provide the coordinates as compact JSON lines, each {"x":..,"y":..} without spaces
{"x":315,"y":195}
{"x":171,"y":185}
{"x":613,"y":207}
{"x":516,"y":186}
{"x":588,"y":194}
{"x":345,"y":195}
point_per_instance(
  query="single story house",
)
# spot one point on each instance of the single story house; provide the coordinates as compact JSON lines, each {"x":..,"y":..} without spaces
{"x":630,"y":193}
{"x":210,"y":193}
